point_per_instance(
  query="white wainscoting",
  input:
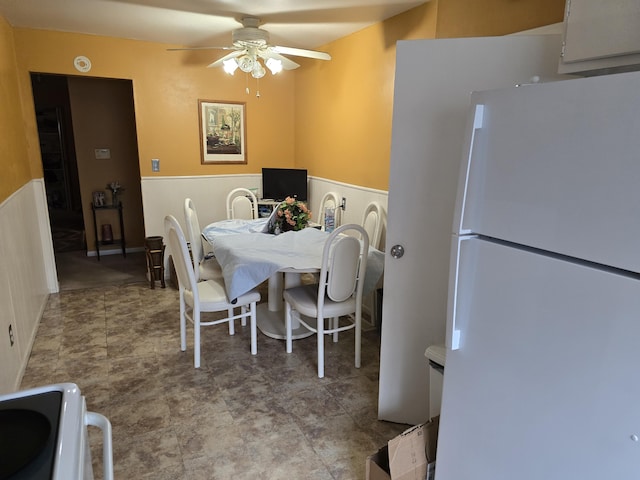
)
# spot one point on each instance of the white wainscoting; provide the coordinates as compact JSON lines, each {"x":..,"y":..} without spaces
{"x":162,"y":196}
{"x":27,"y":276}
{"x":165,"y":195}
{"x":357,"y":199}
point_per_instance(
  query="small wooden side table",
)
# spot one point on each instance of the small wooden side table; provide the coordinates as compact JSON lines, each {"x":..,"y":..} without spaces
{"x":154,"y":249}
{"x":96,"y":209}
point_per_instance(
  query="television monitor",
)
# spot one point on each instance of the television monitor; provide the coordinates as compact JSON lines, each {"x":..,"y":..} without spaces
{"x":279,"y":183}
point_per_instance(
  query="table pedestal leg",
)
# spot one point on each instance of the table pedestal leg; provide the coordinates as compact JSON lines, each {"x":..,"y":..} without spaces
{"x":270,"y":316}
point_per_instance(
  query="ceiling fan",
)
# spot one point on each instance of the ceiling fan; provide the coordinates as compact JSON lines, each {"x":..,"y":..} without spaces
{"x":250,"y":44}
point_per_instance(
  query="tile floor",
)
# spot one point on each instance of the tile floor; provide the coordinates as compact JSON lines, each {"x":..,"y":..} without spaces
{"x":77,"y":271}
{"x":237,"y":417}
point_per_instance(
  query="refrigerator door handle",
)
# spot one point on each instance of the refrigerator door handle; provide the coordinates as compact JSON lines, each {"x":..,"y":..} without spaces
{"x":465,"y":170}
{"x":452,"y":340}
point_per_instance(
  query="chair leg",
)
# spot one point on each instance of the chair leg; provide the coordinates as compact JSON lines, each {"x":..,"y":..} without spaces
{"x":232,"y":327}
{"x":336,"y":324}
{"x":183,"y":323}
{"x":196,"y":337}
{"x":358,"y":335}
{"x":243,"y":321}
{"x":320,"y":334}
{"x":254,"y":329}
{"x":287,"y":325}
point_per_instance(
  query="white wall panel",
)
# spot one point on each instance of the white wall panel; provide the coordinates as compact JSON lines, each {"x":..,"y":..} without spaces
{"x":162,"y":196}
{"x":23,"y":278}
{"x":165,"y":195}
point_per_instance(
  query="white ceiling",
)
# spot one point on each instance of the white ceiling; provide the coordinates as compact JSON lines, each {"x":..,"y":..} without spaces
{"x":293,"y":23}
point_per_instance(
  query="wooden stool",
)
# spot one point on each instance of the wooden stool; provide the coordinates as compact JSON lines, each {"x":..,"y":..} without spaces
{"x":154,"y":249}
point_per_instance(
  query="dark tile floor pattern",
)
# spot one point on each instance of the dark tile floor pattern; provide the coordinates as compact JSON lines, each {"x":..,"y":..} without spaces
{"x":237,"y":417}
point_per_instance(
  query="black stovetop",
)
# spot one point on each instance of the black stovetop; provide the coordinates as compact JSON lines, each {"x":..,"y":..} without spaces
{"x":28,"y":436}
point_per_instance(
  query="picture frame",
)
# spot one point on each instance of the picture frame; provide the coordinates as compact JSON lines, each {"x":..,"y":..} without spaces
{"x":222,"y":132}
{"x":99,"y":198}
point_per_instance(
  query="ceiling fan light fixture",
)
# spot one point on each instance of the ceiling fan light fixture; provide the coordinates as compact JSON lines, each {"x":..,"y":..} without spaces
{"x":246,"y":63}
{"x":258,"y":70}
{"x":274,"y":65}
{"x":230,"y":66}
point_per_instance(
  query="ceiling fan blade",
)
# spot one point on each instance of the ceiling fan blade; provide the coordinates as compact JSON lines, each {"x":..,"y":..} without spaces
{"x":300,"y":52}
{"x":287,"y":64}
{"x":199,"y":48}
{"x":220,"y":61}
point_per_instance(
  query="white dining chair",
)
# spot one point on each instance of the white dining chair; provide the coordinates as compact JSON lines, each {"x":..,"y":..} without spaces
{"x":205,"y":268}
{"x":337,"y":294}
{"x":205,"y":296}
{"x":242,"y":204}
{"x":330,"y":200}
{"x":374,"y":222}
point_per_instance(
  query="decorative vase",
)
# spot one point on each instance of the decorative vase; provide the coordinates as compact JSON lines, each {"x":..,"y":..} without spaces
{"x":114,"y":198}
{"x":107,"y":234}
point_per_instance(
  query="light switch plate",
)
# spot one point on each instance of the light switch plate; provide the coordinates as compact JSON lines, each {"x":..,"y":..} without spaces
{"x":103,"y":153}
{"x":155,"y":164}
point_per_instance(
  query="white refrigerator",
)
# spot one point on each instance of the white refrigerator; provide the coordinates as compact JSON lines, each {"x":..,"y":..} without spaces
{"x":542,"y":378}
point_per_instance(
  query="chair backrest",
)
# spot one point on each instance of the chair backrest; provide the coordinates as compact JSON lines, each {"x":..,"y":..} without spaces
{"x":242,"y":203}
{"x":180,"y":255}
{"x":330,"y":200}
{"x":373,"y":221}
{"x":194,"y":236}
{"x":344,"y":262}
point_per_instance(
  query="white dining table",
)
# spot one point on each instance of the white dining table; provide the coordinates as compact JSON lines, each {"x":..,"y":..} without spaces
{"x":249,"y":256}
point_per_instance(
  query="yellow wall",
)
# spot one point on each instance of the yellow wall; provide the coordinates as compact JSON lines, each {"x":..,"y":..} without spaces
{"x":464,"y":18}
{"x":13,"y":147}
{"x":333,"y":118}
{"x":167,"y":86}
{"x":344,"y":107}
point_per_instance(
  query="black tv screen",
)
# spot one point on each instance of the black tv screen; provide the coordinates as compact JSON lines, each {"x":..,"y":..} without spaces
{"x":279,"y":183}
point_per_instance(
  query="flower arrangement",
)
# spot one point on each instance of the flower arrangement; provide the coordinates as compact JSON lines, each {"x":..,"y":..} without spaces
{"x":291,"y":215}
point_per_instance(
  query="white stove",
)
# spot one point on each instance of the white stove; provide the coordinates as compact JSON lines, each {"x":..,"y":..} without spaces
{"x":43,"y":435}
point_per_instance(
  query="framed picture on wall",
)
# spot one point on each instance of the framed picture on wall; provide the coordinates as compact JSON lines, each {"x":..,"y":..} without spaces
{"x":98,"y":199}
{"x":222,"y":131}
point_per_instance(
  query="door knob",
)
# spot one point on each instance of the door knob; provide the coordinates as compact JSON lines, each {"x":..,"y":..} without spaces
{"x":397,"y":251}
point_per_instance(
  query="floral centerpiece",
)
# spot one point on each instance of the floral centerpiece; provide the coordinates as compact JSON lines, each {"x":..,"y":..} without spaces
{"x":291,"y":215}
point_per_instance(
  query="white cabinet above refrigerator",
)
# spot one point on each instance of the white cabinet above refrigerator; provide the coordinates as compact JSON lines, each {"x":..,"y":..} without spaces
{"x":601,"y":37}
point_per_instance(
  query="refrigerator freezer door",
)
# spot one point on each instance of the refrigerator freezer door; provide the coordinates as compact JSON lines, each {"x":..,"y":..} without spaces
{"x":545,"y":383}
{"x":556,"y":166}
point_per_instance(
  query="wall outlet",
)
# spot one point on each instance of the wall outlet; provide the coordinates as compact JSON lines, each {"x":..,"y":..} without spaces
{"x":155,"y":165}
{"x":343,"y":205}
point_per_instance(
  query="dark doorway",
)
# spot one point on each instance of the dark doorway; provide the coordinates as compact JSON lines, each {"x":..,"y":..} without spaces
{"x":79,"y":118}
{"x":55,"y":132}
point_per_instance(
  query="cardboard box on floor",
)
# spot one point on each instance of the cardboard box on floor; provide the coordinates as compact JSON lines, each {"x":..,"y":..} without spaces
{"x":377,"y":466}
{"x":409,"y":456}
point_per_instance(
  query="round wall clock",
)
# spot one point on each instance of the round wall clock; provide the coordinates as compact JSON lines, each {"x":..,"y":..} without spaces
{"x":82,"y":64}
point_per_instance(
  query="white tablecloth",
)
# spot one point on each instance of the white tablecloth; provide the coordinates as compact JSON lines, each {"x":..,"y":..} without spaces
{"x":248,"y":257}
